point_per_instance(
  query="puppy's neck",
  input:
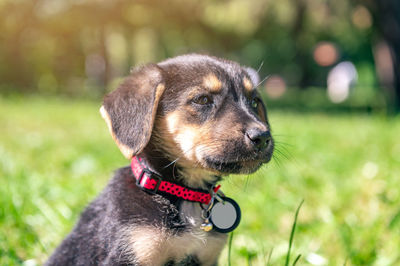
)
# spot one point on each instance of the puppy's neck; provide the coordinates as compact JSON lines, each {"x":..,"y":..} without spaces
{"x":175,"y":172}
{"x":197,"y":178}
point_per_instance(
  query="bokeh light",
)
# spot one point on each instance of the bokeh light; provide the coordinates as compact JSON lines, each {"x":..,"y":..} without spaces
{"x":275,"y":86}
{"x":340,"y":80}
{"x":325,"y":54}
{"x":361,"y":17}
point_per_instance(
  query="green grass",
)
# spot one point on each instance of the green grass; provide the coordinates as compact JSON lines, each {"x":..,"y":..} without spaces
{"x":56,"y":155}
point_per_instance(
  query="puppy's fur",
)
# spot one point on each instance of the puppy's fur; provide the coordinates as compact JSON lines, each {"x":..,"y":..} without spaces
{"x":193,"y":119}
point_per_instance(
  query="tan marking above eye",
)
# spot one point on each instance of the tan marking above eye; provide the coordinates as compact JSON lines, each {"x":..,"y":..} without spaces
{"x":212,"y":83}
{"x":247,"y":84}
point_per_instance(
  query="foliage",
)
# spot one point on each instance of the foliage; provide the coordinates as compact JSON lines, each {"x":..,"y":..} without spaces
{"x":56,"y":155}
{"x":81,"y":47}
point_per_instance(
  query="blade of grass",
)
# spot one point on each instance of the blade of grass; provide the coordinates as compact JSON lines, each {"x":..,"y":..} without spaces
{"x":296,"y":260}
{"x":230,"y":248}
{"x":249,"y":258}
{"x":292,"y":233}
{"x":269,"y":257}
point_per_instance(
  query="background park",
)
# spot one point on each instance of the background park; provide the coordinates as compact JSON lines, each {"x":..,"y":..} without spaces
{"x":331,"y":81}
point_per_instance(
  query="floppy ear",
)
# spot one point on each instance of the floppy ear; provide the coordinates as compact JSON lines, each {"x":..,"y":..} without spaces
{"x":130,"y":110}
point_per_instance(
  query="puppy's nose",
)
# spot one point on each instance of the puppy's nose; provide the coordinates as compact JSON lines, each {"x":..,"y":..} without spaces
{"x":258,"y":138}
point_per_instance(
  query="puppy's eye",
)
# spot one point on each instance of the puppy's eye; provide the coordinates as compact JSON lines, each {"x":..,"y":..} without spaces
{"x":255,"y":102}
{"x":203,"y":100}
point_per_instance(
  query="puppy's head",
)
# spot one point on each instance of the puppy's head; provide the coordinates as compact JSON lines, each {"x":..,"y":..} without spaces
{"x":201,"y":111}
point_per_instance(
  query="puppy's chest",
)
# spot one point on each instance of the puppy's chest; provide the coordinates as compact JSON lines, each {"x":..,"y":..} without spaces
{"x":159,"y":245}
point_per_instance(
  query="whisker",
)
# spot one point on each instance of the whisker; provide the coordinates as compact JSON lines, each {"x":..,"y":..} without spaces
{"x":261,"y":65}
{"x":171,"y":163}
{"x":282,"y":154}
{"x":277,"y":161}
{"x":263,"y":80}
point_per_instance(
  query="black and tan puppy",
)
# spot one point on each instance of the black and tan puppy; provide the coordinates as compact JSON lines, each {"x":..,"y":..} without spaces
{"x":188,"y":121}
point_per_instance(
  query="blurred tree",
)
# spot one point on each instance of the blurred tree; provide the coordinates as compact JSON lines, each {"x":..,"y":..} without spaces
{"x":81,"y":47}
{"x":387,"y":13}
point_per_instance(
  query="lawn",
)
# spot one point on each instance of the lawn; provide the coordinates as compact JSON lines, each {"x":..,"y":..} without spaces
{"x":56,"y":155}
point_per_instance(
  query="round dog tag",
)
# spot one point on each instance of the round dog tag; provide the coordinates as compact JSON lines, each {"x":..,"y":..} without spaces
{"x":225,"y":215}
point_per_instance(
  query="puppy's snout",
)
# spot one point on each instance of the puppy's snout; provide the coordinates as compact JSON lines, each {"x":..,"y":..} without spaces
{"x":259,"y":138}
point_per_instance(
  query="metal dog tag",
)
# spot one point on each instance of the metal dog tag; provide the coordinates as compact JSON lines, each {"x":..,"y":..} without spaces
{"x":225,"y":215}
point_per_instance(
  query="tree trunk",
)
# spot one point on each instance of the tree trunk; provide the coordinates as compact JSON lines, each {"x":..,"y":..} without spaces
{"x":106,"y":75}
{"x":388,"y":15}
{"x":301,"y":55}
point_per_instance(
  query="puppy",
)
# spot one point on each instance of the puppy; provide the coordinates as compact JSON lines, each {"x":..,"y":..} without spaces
{"x":185,"y":123}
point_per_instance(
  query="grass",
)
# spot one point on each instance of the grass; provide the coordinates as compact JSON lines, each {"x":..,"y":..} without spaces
{"x":292,"y":237}
{"x":56,"y":155}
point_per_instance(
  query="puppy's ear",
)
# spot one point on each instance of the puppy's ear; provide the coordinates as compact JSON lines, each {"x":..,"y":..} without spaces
{"x":254,"y":77}
{"x":130,"y":110}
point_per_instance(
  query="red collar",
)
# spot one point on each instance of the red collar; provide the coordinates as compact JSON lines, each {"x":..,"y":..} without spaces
{"x":152,"y":182}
